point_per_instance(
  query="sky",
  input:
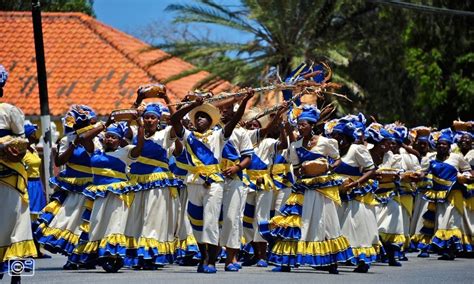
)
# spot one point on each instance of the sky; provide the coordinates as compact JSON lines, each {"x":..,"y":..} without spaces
{"x":132,"y":16}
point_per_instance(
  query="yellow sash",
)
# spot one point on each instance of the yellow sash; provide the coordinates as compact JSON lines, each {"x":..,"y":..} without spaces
{"x":18,"y":181}
{"x":254,"y":175}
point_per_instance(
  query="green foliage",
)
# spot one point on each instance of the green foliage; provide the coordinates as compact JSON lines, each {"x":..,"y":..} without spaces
{"x":83,"y":6}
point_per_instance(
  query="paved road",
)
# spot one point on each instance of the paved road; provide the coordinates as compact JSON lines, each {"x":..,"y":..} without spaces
{"x":416,"y":270}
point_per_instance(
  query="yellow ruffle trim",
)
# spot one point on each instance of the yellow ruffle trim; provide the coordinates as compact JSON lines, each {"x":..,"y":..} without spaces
{"x":75,"y":181}
{"x":67,"y":235}
{"x":53,"y":207}
{"x":392,"y":238}
{"x":189,"y":241}
{"x":370,"y":251}
{"x":286,"y":221}
{"x":311,"y":248}
{"x":448,"y":234}
{"x":128,"y":243}
{"x":135,"y":178}
{"x":21,"y":249}
{"x":421,"y":238}
{"x":435,"y":195}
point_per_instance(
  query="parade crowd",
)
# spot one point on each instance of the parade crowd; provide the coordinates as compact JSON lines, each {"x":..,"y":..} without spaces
{"x":198,"y":183}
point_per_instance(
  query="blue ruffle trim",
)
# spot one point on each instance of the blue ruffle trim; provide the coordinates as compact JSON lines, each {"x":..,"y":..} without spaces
{"x":164,"y":183}
{"x":67,"y":186}
{"x":191,"y":250}
{"x":364,"y":258}
{"x":54,"y":245}
{"x":288,"y":233}
{"x":310,"y":260}
{"x":360,"y":191}
{"x":445,"y":244}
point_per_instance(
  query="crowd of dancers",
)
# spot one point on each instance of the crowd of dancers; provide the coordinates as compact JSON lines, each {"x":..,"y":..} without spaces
{"x":201,"y":183}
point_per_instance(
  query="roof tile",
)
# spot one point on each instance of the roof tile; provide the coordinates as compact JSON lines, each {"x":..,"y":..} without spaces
{"x":87,"y":62}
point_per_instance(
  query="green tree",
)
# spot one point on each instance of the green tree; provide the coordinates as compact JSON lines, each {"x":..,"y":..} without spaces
{"x":283,"y":33}
{"x":83,"y":6}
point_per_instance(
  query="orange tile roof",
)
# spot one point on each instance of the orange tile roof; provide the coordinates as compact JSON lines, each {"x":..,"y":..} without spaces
{"x":87,"y":62}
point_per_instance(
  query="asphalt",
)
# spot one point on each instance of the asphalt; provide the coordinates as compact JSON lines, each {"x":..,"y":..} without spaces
{"x":415,"y":270}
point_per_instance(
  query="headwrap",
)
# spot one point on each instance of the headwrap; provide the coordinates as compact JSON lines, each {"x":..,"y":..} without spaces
{"x":76,"y":113}
{"x":446,"y":136}
{"x":372,"y":132}
{"x":309,"y":113}
{"x":351,"y":125}
{"x":154,"y":108}
{"x":399,"y":132}
{"x":3,"y":76}
{"x":459,"y":134}
{"x":329,"y":126}
{"x":116,"y":129}
{"x":30,"y":129}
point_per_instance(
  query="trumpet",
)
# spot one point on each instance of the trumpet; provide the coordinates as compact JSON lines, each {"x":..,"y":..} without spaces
{"x":311,"y":90}
{"x":209,"y":98}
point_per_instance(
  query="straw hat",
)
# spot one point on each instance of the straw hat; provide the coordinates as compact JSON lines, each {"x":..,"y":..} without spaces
{"x":250,"y":114}
{"x":211,"y":110}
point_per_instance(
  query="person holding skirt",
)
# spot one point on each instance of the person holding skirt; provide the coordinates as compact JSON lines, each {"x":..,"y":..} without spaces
{"x":442,"y":173}
{"x":116,"y":218}
{"x":308,"y":232}
{"x":16,"y":239}
{"x":357,"y":215}
{"x":36,"y":192}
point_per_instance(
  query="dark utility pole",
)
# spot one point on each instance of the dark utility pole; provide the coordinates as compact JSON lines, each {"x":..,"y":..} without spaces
{"x":43,"y":92}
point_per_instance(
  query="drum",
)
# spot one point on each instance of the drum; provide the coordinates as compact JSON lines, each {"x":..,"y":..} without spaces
{"x":315,"y":168}
{"x":152,"y":90}
{"x":124,"y":114}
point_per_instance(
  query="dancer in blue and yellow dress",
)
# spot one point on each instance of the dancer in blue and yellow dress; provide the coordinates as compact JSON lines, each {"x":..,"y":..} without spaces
{"x":204,"y":148}
{"x":16,"y":239}
{"x":58,"y":226}
{"x":114,"y":226}
{"x":388,"y":211}
{"x":36,"y":192}
{"x":357,"y":214}
{"x":308,"y":231}
{"x":446,"y":198}
{"x":158,"y":191}
{"x":420,"y":234}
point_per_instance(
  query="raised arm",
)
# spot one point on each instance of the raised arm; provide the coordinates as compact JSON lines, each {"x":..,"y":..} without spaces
{"x":176,"y":117}
{"x":229,"y":127}
{"x":274,"y":122}
{"x":283,"y":137}
{"x":137,"y":150}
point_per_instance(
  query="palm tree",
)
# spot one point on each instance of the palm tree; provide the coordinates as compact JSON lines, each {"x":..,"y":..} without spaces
{"x":284,"y":33}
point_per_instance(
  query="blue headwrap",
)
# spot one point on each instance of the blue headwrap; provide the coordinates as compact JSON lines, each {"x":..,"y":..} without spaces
{"x":399,"y":132}
{"x":76,"y":114}
{"x":373,"y":132}
{"x":345,"y":127}
{"x":351,"y":125}
{"x":309,"y":113}
{"x":446,"y":136}
{"x":459,"y":134}
{"x":30,"y":129}
{"x":116,"y":129}
{"x":154,"y":108}
{"x":3,"y":76}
